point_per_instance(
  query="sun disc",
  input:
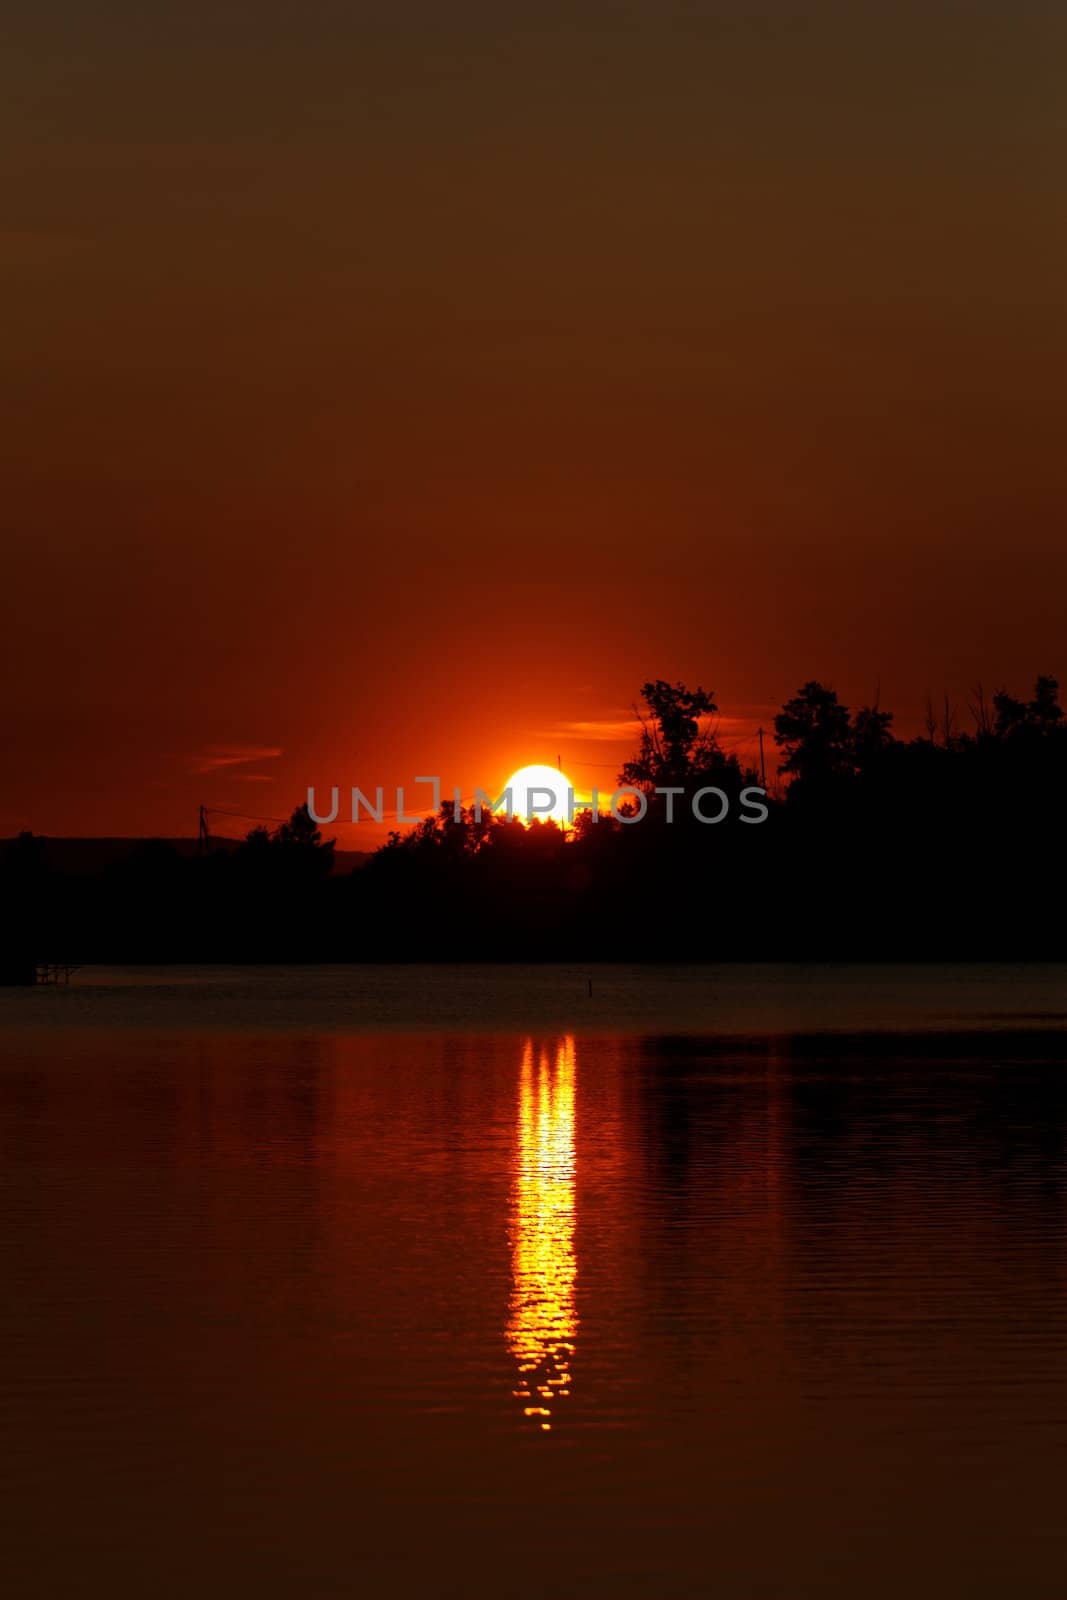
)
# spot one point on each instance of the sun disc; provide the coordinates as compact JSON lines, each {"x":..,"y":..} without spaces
{"x":542,"y":787}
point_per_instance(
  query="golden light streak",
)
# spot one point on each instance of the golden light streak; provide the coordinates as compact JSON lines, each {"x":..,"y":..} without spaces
{"x":543,"y":1324}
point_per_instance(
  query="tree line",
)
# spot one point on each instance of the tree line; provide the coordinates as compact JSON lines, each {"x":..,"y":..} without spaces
{"x":943,"y":846}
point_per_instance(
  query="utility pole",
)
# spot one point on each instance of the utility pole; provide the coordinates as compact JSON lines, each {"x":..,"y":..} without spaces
{"x":762,"y":766}
{"x":202,"y":840}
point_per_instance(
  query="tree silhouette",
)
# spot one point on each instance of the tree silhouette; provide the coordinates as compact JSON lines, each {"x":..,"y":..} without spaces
{"x":947,"y":847}
{"x":1043,"y":714}
{"x":295,"y":848}
{"x":814,"y":731}
{"x":871,"y":735}
{"x":678,"y":746}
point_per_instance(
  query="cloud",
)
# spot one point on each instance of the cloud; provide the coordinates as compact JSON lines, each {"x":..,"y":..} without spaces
{"x":736,"y":734}
{"x":216,"y":757}
{"x":613,"y":730}
{"x":609,"y":730}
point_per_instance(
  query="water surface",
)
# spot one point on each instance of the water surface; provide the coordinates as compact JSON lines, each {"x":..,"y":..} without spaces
{"x":747,"y":1283}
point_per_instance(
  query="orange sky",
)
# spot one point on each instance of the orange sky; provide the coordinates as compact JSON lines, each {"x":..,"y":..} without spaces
{"x":392,"y":393}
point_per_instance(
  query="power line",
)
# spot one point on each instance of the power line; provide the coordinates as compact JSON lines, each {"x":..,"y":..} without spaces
{"x":246,"y":816}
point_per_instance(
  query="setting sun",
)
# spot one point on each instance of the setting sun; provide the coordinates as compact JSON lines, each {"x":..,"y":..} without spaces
{"x":531,"y":787}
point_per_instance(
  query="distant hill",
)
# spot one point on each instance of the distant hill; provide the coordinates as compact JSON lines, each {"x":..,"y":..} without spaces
{"x":89,"y":858}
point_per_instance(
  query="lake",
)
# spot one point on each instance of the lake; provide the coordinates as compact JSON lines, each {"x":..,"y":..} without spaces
{"x":535,"y":1281}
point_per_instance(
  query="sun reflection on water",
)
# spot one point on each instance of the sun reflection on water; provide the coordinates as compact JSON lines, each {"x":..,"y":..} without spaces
{"x":542,"y":1324}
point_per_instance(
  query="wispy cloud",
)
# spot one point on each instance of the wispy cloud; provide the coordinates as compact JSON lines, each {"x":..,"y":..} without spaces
{"x":612,"y":730}
{"x":608,"y":729}
{"x":216,"y":757}
{"x":577,"y":741}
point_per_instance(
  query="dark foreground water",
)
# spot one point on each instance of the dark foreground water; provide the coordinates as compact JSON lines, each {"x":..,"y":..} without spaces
{"x":746,"y":1283}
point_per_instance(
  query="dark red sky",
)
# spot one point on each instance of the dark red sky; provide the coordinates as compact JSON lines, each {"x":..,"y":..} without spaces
{"x":391,"y":389}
